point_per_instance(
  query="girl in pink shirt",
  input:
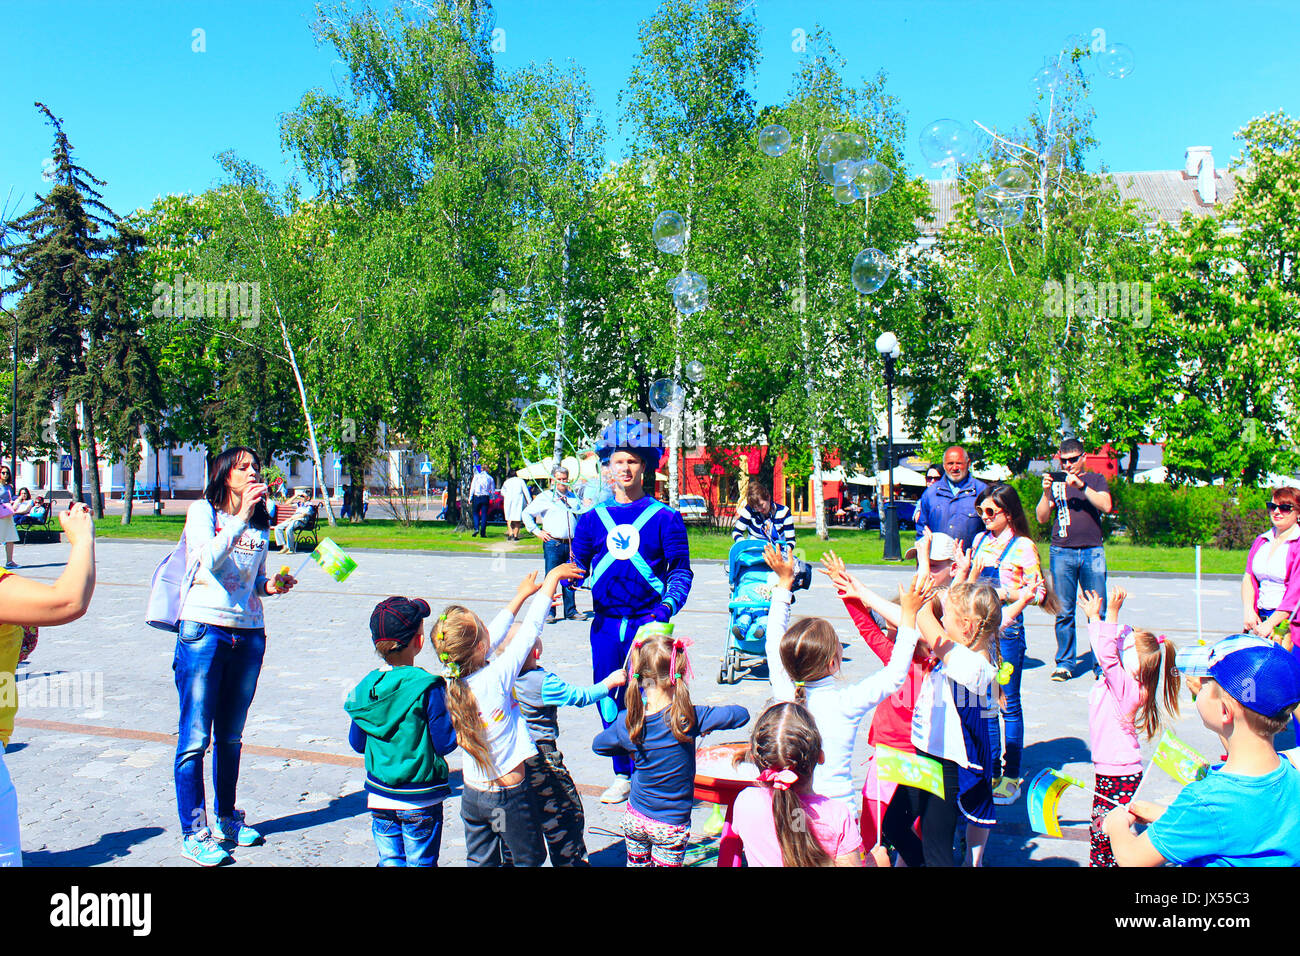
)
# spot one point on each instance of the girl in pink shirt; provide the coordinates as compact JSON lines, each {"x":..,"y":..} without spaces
{"x":781,"y":821}
{"x":1134,"y":664}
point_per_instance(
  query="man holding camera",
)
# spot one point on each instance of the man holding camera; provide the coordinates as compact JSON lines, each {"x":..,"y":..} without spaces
{"x":1078,"y":560}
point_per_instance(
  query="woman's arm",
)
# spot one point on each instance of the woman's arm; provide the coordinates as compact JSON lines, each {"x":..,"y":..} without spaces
{"x":1249,"y":615}
{"x":24,"y":601}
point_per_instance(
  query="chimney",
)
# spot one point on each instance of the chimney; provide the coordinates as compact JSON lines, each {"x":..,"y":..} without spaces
{"x":1192,"y":159}
{"x":1200,"y":163}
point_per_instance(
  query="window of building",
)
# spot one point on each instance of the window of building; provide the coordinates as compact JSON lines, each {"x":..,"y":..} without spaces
{"x":177,"y":466}
{"x":293,"y":467}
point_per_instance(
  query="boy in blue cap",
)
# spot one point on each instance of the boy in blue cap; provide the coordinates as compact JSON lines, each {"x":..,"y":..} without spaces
{"x":1243,"y":813}
{"x":400,"y":722}
{"x":635,"y":552}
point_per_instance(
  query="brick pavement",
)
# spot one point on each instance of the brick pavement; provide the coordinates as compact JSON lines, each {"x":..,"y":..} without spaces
{"x":92,"y":754}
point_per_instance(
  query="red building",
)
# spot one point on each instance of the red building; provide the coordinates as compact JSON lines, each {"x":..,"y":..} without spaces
{"x":722,"y":475}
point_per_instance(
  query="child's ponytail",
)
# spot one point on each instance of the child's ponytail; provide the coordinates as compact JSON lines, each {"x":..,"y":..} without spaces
{"x":786,"y":746}
{"x":456,"y":637}
{"x":659,"y":661}
{"x":1157,"y":665}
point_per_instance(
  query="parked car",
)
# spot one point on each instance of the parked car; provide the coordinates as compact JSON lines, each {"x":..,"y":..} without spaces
{"x":693,"y":508}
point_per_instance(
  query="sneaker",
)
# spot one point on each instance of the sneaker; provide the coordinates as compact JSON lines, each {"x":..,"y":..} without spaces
{"x":1006,"y":791}
{"x":760,"y":632}
{"x":10,"y":565}
{"x":234,"y":830}
{"x":578,"y":616}
{"x":203,"y":850}
{"x":617,"y":791}
{"x":1062,"y":673}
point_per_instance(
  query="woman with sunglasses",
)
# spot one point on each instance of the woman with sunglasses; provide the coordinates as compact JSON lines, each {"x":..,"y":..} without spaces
{"x":1270,"y":588}
{"x":1010,"y":561}
{"x":8,"y":532}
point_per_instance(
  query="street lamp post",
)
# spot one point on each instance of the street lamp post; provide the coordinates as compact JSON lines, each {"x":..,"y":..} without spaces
{"x":887,"y":346}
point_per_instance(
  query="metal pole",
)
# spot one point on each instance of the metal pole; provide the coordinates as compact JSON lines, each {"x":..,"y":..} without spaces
{"x":893,"y":550}
{"x":1198,"y":595}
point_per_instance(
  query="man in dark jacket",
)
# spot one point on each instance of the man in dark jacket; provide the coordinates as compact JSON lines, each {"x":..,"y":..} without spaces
{"x":948,"y":505}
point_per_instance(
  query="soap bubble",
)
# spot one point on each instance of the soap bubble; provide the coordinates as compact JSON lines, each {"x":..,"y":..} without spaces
{"x":835,"y":148}
{"x":870,"y":270}
{"x":846,"y":194}
{"x":690,"y":299}
{"x":844,"y":171}
{"x":1012,"y":183}
{"x":945,"y":140}
{"x":996,"y":210}
{"x":669,"y":232}
{"x":1117,"y":61}
{"x":667,"y":397}
{"x":873,"y":178}
{"x":774,"y":140}
{"x":1046,"y":80}
{"x":695,"y":370}
{"x":688,"y":281}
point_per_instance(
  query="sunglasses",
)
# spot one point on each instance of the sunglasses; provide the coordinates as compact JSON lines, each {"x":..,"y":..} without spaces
{"x":929,"y":478}
{"x":1071,"y":460}
{"x":1286,"y":509}
{"x":989,"y":512}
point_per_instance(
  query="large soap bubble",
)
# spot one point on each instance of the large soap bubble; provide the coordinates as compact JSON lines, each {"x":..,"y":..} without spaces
{"x":1117,"y":61}
{"x":1047,"y":80}
{"x":669,"y":232}
{"x":774,"y":140}
{"x":691,"y":299}
{"x":996,"y":210}
{"x":873,"y":178}
{"x":835,"y":148}
{"x":947,"y":140}
{"x":667,"y":397}
{"x":846,"y":194}
{"x":695,"y":370}
{"x":871,"y":268}
{"x":1012,"y":183}
{"x":688,"y":281}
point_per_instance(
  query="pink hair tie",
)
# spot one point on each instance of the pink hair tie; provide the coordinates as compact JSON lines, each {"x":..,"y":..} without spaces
{"x":679,"y":644}
{"x":779,"y":779}
{"x":1160,"y":638}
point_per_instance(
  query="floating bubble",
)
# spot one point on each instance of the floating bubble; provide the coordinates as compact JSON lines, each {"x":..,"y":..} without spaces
{"x":774,"y":140}
{"x":695,"y":370}
{"x":667,"y":397}
{"x":688,"y":281}
{"x":1012,"y":183}
{"x":996,"y":210}
{"x":835,"y":148}
{"x":947,"y":140}
{"x":871,"y":269}
{"x":1047,"y":80}
{"x":844,"y":171}
{"x":669,"y":232}
{"x":846,"y":194}
{"x":1117,"y":61}
{"x":873,"y":178}
{"x":691,"y":293}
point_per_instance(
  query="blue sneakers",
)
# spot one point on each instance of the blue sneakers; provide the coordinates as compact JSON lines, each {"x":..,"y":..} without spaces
{"x":203,"y":850}
{"x":234,"y":830}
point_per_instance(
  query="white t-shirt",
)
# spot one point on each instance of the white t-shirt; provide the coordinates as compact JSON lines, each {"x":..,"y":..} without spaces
{"x":837,"y":707}
{"x":1270,"y":572}
{"x":505,"y":730}
{"x":231,"y":573}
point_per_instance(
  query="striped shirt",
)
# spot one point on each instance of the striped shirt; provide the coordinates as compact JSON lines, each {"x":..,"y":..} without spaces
{"x":774,"y":527}
{"x":1020,"y":570}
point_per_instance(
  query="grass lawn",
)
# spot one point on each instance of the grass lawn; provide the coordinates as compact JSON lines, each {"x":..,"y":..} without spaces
{"x":854,"y":546}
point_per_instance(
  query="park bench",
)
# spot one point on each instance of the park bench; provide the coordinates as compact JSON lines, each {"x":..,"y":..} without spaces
{"x":303,"y":534}
{"x":31,"y":532}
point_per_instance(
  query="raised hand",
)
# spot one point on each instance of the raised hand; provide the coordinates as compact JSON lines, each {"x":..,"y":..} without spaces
{"x":782,"y":564}
{"x":1117,"y":598}
{"x":1092,"y":605}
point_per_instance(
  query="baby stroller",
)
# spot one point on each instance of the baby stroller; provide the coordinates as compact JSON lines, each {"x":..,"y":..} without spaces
{"x":751,"y":582}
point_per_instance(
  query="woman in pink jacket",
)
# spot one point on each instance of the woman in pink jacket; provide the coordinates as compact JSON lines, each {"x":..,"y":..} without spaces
{"x":1270,"y":588}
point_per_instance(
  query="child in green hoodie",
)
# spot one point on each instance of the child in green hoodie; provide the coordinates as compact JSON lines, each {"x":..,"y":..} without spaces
{"x":400,"y":722}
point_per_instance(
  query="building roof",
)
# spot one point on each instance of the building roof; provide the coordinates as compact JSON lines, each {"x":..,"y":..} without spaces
{"x":1163,"y":194}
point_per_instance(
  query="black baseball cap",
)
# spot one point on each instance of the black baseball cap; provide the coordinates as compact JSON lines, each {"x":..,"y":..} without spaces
{"x":397,"y":619}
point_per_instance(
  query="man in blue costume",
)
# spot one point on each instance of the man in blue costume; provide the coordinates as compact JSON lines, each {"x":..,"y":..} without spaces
{"x":635,"y":553}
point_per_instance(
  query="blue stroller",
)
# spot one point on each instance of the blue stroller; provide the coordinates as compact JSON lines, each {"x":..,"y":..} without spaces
{"x":751,"y":585}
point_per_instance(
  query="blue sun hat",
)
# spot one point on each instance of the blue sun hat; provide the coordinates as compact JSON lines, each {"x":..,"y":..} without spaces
{"x":632,"y":434}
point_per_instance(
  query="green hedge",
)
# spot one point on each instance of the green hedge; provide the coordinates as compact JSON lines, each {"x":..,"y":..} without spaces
{"x":1155,"y":514}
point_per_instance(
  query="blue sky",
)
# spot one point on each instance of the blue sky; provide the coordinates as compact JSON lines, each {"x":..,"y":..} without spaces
{"x":146,"y":113}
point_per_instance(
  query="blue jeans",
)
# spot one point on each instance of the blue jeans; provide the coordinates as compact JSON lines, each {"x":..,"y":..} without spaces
{"x":216,"y":676}
{"x":1074,"y":569}
{"x":479,"y":509}
{"x":1012,"y":643}
{"x":556,"y":552}
{"x":408,"y":837}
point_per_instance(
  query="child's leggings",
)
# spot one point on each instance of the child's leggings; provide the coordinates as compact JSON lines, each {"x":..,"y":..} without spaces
{"x":938,"y":816}
{"x":651,"y":843}
{"x":1121,"y":790}
{"x":556,"y":805}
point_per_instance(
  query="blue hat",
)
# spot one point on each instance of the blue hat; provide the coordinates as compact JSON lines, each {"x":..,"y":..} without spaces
{"x":635,"y":435}
{"x":1196,"y":660}
{"x":1264,"y":679}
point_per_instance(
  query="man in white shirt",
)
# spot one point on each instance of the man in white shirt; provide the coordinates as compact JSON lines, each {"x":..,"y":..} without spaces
{"x":516,"y":496}
{"x":481,"y":487}
{"x":557,"y":510}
